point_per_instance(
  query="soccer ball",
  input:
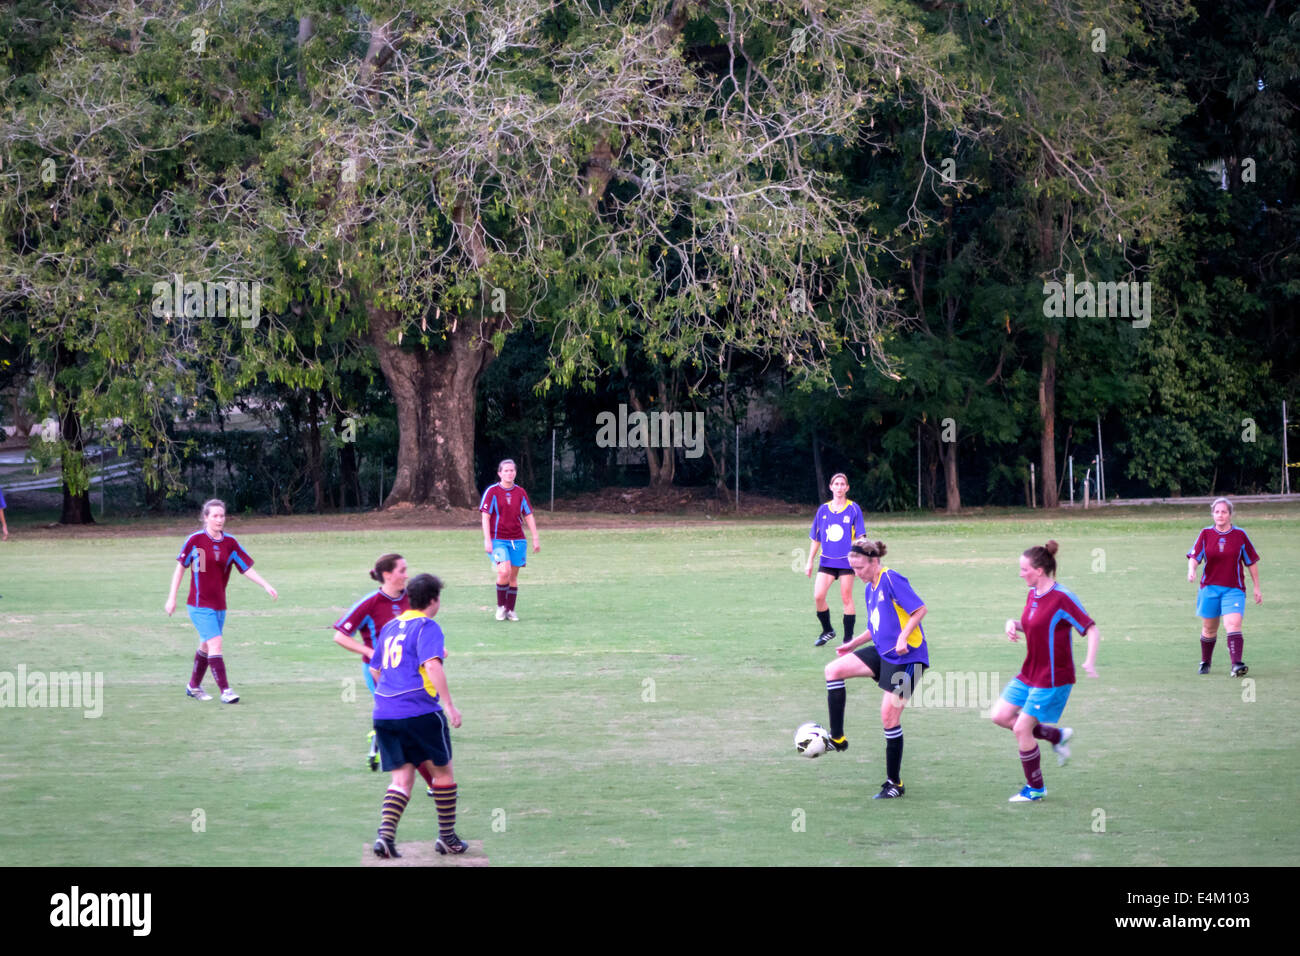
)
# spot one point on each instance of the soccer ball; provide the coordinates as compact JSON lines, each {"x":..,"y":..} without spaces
{"x":811,"y":740}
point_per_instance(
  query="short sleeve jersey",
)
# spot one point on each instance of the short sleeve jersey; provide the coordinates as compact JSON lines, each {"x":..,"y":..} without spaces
{"x":1046,"y":621}
{"x":1224,"y":554}
{"x":210,"y":560}
{"x":836,"y":531}
{"x":507,"y":506}
{"x":890,"y":602}
{"x":403,"y":688}
{"x":369,"y":615}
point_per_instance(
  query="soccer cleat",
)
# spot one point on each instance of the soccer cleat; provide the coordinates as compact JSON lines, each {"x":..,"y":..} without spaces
{"x":839,"y":746}
{"x":1028,"y":794}
{"x":501,"y":612}
{"x":1062,"y":751}
{"x":452,"y":844}
{"x":386,"y":849}
{"x":228,"y":696}
{"x":888,"y":791}
{"x":1204,"y":668}
{"x":1239,"y":670}
{"x":198,"y":693}
{"x":826,"y":638}
{"x":373,"y":757}
{"x":511,"y":616}
{"x":429,"y":791}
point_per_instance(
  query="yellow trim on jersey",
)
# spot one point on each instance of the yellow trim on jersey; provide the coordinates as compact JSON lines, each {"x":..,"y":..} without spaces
{"x":428,"y":684}
{"x":409,"y":615}
{"x":830,"y":505}
{"x":916,"y":637}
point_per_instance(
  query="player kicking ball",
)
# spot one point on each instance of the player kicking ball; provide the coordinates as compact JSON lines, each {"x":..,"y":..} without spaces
{"x":412,"y":711}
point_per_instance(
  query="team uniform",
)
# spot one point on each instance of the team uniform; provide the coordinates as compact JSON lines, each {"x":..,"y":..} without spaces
{"x":410,"y":726}
{"x":1043,"y":686}
{"x":890,"y":602}
{"x":506,"y":508}
{"x":367,"y":618}
{"x":210,"y":561}
{"x":1223,"y":585}
{"x":836,"y":531}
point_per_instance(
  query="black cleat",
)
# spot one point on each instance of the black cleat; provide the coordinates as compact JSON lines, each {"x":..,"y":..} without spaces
{"x":386,"y":848}
{"x":888,"y":791}
{"x":839,"y":746}
{"x":826,"y":638}
{"x":429,"y":791}
{"x":1239,"y":670}
{"x":452,"y":844}
{"x":1204,"y":668}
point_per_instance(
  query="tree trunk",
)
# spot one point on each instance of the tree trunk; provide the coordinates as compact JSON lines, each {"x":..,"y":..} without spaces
{"x":1047,"y":412}
{"x":952,"y":490}
{"x":76,"y":508}
{"x":434,"y":393}
{"x":315,"y":461}
{"x":817,"y":465}
{"x":349,"y":478}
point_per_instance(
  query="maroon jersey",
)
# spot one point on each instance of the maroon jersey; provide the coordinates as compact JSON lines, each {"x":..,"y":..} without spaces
{"x":1046,"y":621}
{"x":210,"y":560}
{"x":369,"y":615}
{"x":1224,"y":554}
{"x":507,"y":506}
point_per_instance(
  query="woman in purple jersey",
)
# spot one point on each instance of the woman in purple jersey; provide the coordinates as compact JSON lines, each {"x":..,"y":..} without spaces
{"x":1035,"y":699}
{"x":835,"y":526}
{"x":1222,"y":594}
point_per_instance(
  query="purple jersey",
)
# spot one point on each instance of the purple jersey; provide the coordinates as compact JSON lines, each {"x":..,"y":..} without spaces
{"x":890,"y":602}
{"x":1046,"y":621}
{"x":836,"y":531}
{"x":507,"y":506}
{"x":369,"y":615}
{"x":403,"y":689}
{"x":1223,"y":553}
{"x":210,"y":560}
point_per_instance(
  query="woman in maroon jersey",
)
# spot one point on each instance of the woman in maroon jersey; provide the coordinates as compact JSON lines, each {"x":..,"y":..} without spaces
{"x":1224,"y":549}
{"x":209,"y":554}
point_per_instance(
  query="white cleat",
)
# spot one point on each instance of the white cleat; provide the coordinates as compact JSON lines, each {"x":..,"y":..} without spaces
{"x":228,"y":696}
{"x":501,"y":612}
{"x":511,"y":616}
{"x":1062,"y":751}
{"x":198,"y":693}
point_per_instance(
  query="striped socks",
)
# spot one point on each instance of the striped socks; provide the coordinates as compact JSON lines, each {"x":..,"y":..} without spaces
{"x":1029,"y":762}
{"x":445,"y":799}
{"x":394,"y":803}
{"x":835,"y":697}
{"x":894,"y":753}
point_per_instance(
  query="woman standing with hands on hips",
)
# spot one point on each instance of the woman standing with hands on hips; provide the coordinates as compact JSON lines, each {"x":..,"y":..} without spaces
{"x":1036,"y":697}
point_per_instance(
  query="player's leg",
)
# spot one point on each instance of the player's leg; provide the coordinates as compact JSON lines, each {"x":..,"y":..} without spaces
{"x":444,"y":783}
{"x":518,"y":553}
{"x":396,"y":797}
{"x":821,"y":585}
{"x":1030,"y":759}
{"x":502,"y":569}
{"x":1232,"y":624}
{"x":205,"y":622}
{"x":1208,"y":609}
{"x":372,"y":758}
{"x":217,"y":663}
{"x":837,"y":672}
{"x":846,"y":599}
{"x":891,"y":716}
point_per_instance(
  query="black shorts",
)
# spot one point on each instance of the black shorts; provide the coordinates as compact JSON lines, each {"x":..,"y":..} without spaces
{"x":413,"y":740}
{"x":900,"y":679}
{"x":833,"y":572}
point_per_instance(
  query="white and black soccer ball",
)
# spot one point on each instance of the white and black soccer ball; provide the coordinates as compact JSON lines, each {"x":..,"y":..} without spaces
{"x":811,"y":739}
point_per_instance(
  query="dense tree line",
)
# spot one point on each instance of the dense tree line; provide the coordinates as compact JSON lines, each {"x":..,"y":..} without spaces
{"x":309,"y":256}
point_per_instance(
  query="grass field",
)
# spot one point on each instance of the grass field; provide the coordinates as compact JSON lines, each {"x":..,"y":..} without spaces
{"x":642,"y":710}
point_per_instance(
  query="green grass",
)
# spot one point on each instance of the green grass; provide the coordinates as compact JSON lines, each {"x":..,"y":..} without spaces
{"x":642,"y":711}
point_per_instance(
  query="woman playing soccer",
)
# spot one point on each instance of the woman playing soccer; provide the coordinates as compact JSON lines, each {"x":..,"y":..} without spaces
{"x":1035,"y":699}
{"x":895,"y":655}
{"x":503,"y":506}
{"x":835,"y":527}
{"x":209,"y":554}
{"x":412,"y":710}
{"x":1224,"y":549}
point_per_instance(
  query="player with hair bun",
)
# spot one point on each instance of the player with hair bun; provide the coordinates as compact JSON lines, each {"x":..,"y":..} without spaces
{"x":835,"y":526}
{"x":1224,"y":548}
{"x":366,"y":619}
{"x":1036,"y":697}
{"x":209,"y":554}
{"x":895,"y":655}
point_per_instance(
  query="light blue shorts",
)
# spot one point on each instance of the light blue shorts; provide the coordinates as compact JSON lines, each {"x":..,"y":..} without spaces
{"x":516,"y":552}
{"x":1214,"y":600}
{"x":365,"y":669}
{"x":208,"y":622}
{"x":1044,"y":704}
